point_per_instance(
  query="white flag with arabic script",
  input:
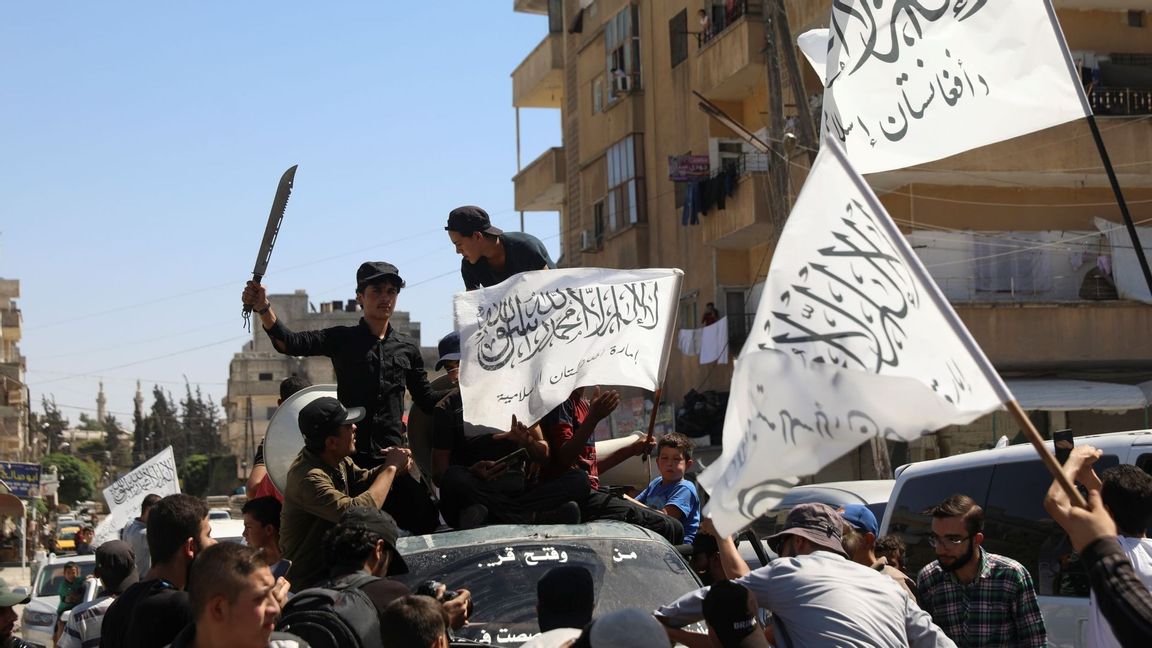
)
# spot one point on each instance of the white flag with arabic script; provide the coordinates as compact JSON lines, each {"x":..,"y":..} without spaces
{"x":124,"y":496}
{"x":528,"y":342}
{"x":851,"y":340}
{"x":911,"y":82}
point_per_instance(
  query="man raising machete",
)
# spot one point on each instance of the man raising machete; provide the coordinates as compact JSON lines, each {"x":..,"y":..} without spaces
{"x":374,"y":364}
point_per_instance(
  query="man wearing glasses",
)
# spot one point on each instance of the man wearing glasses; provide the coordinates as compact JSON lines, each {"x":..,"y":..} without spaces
{"x":977,"y":598}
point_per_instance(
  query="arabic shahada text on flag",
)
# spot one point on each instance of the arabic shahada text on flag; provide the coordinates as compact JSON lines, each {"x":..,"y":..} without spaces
{"x":912,"y":82}
{"x":851,"y":340}
{"x":124,"y":496}
{"x":529,"y":341}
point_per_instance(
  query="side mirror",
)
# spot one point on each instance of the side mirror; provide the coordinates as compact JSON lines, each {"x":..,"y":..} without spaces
{"x":21,"y":590}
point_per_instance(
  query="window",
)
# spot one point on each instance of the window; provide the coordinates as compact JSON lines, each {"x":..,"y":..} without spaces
{"x":598,"y":95}
{"x":598,"y":222}
{"x":688,"y":314}
{"x":268,"y":414}
{"x":265,"y":376}
{"x":1135,"y":18}
{"x":625,"y":197}
{"x":1016,"y":525}
{"x":740,"y":317}
{"x":622,"y":52}
{"x":678,"y":37}
{"x":920,"y":493}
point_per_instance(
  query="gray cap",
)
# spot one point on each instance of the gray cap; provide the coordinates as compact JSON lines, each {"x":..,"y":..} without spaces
{"x":820,"y":524}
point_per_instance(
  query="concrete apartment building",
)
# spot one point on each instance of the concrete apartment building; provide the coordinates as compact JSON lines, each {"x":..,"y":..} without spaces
{"x":255,"y":373}
{"x":1008,"y":231}
{"x":15,"y":443}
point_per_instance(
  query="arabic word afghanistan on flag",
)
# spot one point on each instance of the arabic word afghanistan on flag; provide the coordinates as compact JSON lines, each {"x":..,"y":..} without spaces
{"x":912,"y":82}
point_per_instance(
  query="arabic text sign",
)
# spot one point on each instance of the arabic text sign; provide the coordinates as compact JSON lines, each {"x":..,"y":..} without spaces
{"x":685,"y":168}
{"x":529,"y":341}
{"x":22,"y":478}
{"x":911,"y":82}
{"x":124,"y":496}
{"x":851,"y":340}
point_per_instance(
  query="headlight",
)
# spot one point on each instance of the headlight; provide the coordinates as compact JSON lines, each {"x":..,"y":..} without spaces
{"x":32,"y":618}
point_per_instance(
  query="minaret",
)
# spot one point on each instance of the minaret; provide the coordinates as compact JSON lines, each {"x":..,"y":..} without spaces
{"x":139,"y":400}
{"x":101,"y":405}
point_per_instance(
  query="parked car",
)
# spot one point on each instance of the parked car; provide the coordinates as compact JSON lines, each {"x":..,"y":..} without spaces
{"x":38,"y":621}
{"x":499,"y":565}
{"x":1010,"y":483}
{"x":227,"y":530}
{"x":66,"y":538}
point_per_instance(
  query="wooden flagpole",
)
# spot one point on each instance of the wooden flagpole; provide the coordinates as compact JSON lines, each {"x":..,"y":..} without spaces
{"x":656,"y":395}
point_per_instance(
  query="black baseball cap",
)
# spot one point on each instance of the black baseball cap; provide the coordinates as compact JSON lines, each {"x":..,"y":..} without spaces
{"x":449,"y":348}
{"x":376,"y":521}
{"x":469,"y":219}
{"x":321,"y":417}
{"x":731,"y":612}
{"x":371,"y":272}
{"x":116,"y":565}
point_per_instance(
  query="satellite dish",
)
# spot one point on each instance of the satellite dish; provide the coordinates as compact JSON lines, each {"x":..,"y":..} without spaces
{"x":283,"y":440}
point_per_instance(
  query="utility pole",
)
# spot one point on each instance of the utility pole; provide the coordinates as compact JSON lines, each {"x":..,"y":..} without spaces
{"x":805,"y":123}
{"x":778,"y":162}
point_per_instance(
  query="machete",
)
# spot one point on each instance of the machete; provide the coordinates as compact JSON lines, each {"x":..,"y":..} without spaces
{"x":279,"y":204}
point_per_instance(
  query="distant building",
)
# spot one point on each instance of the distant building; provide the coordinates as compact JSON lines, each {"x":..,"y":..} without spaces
{"x":15,"y":440}
{"x":255,"y":373}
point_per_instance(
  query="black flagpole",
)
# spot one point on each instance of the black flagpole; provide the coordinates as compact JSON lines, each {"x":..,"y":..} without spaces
{"x":1120,"y":201}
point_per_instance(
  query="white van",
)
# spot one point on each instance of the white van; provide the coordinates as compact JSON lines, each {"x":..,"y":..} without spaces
{"x":1010,"y":483}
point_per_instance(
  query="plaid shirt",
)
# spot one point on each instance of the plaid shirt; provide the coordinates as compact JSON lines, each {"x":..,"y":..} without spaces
{"x":998,"y":608}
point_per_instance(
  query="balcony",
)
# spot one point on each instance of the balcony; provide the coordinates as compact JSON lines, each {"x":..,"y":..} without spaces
{"x":538,"y":82}
{"x":10,"y":324}
{"x":745,"y":220}
{"x":530,"y":6}
{"x":730,"y":61}
{"x":540,"y":185}
{"x":1065,"y":335}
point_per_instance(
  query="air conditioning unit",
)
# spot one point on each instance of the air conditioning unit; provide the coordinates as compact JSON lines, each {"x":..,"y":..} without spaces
{"x":587,"y":241}
{"x":621,"y":84}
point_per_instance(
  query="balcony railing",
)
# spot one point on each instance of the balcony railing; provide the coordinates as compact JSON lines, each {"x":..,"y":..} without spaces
{"x":1120,"y":101}
{"x":721,"y":18}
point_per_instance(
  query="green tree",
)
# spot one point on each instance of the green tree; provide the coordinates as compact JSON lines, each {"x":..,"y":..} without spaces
{"x":195,"y":474}
{"x":89,"y":423}
{"x":163,"y":427}
{"x":77,"y":478}
{"x":52,"y":423}
{"x":114,"y":442}
{"x":201,"y":420}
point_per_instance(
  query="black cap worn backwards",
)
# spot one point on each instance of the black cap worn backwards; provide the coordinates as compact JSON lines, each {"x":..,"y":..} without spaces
{"x":469,"y":219}
{"x":376,"y":521}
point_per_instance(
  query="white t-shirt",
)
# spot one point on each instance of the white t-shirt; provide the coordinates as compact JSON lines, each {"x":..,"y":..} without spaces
{"x":1139,"y":551}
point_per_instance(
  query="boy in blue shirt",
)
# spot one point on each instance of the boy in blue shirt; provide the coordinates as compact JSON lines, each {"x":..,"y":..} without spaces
{"x":670,"y":492}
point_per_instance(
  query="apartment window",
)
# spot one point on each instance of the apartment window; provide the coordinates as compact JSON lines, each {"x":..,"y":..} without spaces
{"x":625,"y":199}
{"x":269,"y":412}
{"x":622,"y":52}
{"x":598,"y":223}
{"x":598,"y":94}
{"x":265,"y":376}
{"x":1135,"y":18}
{"x":678,"y":37}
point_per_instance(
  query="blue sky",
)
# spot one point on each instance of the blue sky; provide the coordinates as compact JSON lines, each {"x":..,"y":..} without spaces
{"x":141,"y":142}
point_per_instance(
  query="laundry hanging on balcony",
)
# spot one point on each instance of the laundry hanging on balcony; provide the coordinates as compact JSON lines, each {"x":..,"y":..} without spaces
{"x":714,"y":342}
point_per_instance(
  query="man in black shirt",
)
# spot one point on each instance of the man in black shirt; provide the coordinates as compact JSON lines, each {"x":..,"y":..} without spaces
{"x":374,"y":363}
{"x":152,"y":612}
{"x":490,"y":254}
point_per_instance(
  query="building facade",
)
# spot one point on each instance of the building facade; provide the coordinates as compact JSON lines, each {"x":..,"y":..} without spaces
{"x":15,"y":439}
{"x":660,"y":108}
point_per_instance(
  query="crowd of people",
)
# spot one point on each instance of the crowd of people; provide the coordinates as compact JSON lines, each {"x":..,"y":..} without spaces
{"x":320,"y":557}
